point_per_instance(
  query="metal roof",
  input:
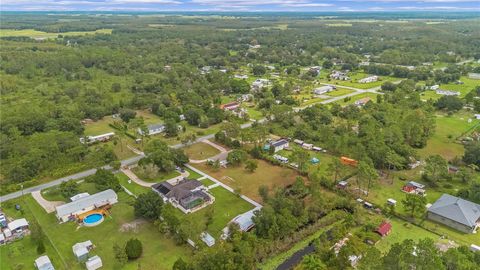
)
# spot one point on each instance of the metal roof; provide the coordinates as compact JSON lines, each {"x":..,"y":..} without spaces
{"x":17,"y":224}
{"x":44,"y":263}
{"x":280,"y":142}
{"x":456,"y":209}
{"x":245,"y":221}
{"x":97,"y":199}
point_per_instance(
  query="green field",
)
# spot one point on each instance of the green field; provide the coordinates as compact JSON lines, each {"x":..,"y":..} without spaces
{"x":159,"y":252}
{"x":352,"y":99}
{"x":223,"y":212}
{"x":159,"y":176}
{"x":40,"y":34}
{"x":448,"y":128}
{"x":200,"y":151}
{"x":248,"y":183}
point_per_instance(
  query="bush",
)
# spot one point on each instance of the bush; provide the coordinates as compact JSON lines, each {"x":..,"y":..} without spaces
{"x":134,"y":249}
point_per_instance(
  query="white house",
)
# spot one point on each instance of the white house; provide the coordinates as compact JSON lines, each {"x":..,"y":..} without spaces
{"x":207,"y":239}
{"x":369,"y":79}
{"x":338,"y":75}
{"x":307,"y":146}
{"x":94,"y":263}
{"x":447,"y":93}
{"x":434,"y":87}
{"x":239,"y":76}
{"x":153,"y":129}
{"x":279,"y":145}
{"x":99,"y":138}
{"x":44,"y":263}
{"x":69,"y":211}
{"x":18,"y":224}
{"x":323,"y":89}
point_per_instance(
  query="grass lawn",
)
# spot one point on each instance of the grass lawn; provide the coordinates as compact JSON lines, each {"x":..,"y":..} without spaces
{"x":352,"y":100}
{"x":40,"y":34}
{"x":132,"y":186}
{"x":53,"y":193}
{"x":227,"y":205}
{"x":207,"y":182}
{"x":248,"y":183}
{"x":159,"y":252}
{"x":200,"y":151}
{"x":99,"y":127}
{"x":159,"y":177}
{"x":448,"y":128}
{"x":339,"y":92}
{"x":402,"y":230}
{"x":254,"y":114}
{"x":193,"y":175}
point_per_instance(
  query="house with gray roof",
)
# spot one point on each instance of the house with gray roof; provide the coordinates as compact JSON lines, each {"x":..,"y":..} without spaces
{"x":456,"y":213}
{"x":186,"y":195}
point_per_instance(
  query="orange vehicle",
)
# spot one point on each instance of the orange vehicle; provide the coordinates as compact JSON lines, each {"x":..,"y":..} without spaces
{"x":349,"y":161}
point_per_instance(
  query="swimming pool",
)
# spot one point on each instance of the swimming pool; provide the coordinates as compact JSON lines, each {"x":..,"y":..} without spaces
{"x":93,"y":219}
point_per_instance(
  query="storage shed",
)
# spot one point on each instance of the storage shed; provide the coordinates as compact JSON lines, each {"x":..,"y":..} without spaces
{"x":94,"y":263}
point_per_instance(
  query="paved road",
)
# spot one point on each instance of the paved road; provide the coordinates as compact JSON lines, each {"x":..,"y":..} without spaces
{"x":79,"y":175}
{"x":134,"y":160}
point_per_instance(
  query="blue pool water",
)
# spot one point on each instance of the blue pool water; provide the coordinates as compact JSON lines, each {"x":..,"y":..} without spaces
{"x":93,"y":218}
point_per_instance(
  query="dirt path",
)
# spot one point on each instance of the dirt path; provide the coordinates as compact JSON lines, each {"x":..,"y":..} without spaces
{"x":142,"y":183}
{"x":49,"y":206}
{"x":221,"y":156}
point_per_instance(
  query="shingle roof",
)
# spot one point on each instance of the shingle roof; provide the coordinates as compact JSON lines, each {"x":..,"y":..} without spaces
{"x":456,"y":209}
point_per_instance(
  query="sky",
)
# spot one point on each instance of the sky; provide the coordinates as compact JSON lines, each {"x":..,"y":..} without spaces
{"x":240,"y":5}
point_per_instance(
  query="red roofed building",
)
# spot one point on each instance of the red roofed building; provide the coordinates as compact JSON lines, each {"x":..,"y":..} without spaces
{"x":230,"y":106}
{"x":384,"y":228}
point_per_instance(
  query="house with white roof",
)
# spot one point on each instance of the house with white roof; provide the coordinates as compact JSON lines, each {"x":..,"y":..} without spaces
{"x":44,"y":263}
{"x":18,"y":224}
{"x":153,"y":129}
{"x":93,"y":263}
{"x":323,"y":89}
{"x":369,"y":79}
{"x":99,"y":138}
{"x":70,"y":211}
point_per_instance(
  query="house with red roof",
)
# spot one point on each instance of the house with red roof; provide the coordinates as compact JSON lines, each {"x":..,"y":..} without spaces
{"x":230,"y":106}
{"x":384,"y":229}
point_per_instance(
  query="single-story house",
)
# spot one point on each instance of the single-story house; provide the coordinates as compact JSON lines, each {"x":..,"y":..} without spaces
{"x":323,"y":89}
{"x":94,"y":263}
{"x":475,"y":76}
{"x":44,"y":263}
{"x":384,"y":229}
{"x":230,"y":106}
{"x":245,"y":221}
{"x":338,"y":75}
{"x":80,"y":250}
{"x":18,"y":225}
{"x":187,"y":195}
{"x":279,"y":145}
{"x":71,"y":210}
{"x":361,"y":102}
{"x":238,"y":76}
{"x":369,"y":79}
{"x":447,"y":92}
{"x":207,"y":239}
{"x":153,"y":129}
{"x":99,"y":138}
{"x":456,"y":213}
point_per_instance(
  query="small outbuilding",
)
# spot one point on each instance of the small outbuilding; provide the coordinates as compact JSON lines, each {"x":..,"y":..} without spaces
{"x":207,"y":239}
{"x":391,"y":201}
{"x":18,"y":225}
{"x":80,"y":250}
{"x":43,"y":263}
{"x":314,"y":160}
{"x":384,"y":229}
{"x":94,"y":263}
